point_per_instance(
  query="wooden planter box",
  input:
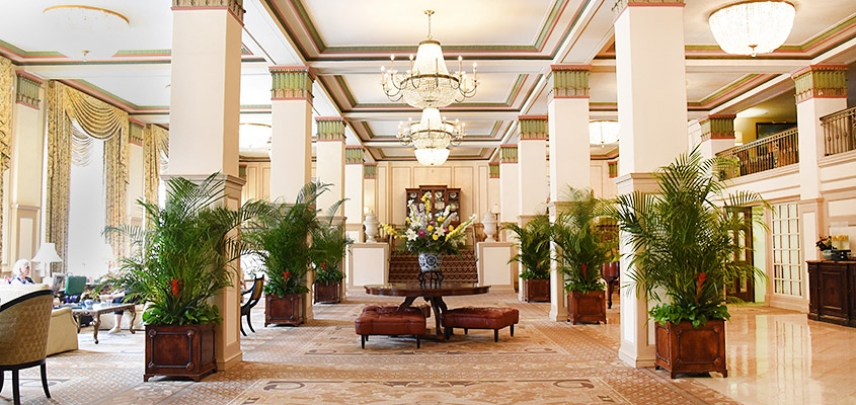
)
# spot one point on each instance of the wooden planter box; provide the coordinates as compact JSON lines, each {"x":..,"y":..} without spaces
{"x":586,"y":307}
{"x":327,"y":292}
{"x":287,"y":310}
{"x":683,"y":349}
{"x":180,"y":351}
{"x":536,"y":290}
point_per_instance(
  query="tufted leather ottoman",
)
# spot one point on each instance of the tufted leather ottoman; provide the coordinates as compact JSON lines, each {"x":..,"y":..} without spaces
{"x":379,"y":321}
{"x":425,"y":310}
{"x":480,"y":318}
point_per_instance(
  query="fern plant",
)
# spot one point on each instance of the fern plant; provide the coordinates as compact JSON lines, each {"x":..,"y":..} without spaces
{"x":533,"y":240}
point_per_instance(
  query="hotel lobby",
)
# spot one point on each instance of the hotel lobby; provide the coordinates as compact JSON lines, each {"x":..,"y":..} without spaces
{"x":497,"y":106}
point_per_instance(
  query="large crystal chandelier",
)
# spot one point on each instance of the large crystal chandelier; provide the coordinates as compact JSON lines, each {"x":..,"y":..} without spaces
{"x":428,"y":83}
{"x":86,"y":32}
{"x":603,"y":132}
{"x":752,"y":27}
{"x":431,"y":137}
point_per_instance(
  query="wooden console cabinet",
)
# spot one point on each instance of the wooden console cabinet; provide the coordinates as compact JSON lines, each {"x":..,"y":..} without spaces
{"x":831,"y":291}
{"x":440,"y":197}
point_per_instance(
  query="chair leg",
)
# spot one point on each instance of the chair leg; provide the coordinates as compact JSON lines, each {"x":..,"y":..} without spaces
{"x":16,"y":394}
{"x":250,"y":323}
{"x":44,"y":371}
{"x":363,"y":341}
{"x":242,"y":329}
{"x":418,"y":342}
{"x":496,"y":335}
{"x":2,"y":373}
{"x":448,"y":333}
{"x":466,"y":331}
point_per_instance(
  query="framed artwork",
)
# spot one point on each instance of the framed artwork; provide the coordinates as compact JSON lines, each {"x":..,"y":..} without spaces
{"x":764,"y":129}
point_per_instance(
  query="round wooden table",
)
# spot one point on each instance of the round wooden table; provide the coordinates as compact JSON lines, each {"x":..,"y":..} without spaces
{"x":432,"y":293}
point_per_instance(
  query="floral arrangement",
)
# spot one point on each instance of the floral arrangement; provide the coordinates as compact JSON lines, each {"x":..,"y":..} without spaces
{"x":426,"y":233}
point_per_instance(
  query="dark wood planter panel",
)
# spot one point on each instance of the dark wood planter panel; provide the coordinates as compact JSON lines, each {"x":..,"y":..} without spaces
{"x":683,"y":349}
{"x":536,"y":290}
{"x":287,"y":310}
{"x":586,"y":307}
{"x":831,"y":291}
{"x":327,"y":292}
{"x":180,"y":351}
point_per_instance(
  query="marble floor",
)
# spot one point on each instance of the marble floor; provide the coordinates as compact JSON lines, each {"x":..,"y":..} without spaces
{"x":774,"y":357}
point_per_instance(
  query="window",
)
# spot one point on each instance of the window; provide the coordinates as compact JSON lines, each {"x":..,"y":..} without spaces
{"x":787,"y":265}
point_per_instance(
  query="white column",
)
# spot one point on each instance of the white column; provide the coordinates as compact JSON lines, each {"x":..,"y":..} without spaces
{"x":508,"y":191}
{"x":204,"y":114}
{"x":354,"y":192}
{"x":291,"y":131}
{"x":532,"y":166}
{"x":568,"y":126}
{"x":652,"y":112}
{"x":717,"y":134}
{"x":330,"y":161}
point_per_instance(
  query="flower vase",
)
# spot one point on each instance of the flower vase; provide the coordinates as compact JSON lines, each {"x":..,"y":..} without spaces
{"x":430,"y":262}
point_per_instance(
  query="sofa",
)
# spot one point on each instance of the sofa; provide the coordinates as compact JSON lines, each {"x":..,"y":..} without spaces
{"x":63,"y":331}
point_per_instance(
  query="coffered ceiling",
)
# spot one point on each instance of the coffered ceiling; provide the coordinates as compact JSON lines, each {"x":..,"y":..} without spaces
{"x":346,"y":42}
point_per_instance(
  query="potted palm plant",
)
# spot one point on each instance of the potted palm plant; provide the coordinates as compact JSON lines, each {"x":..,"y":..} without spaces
{"x":328,"y":249}
{"x":281,"y":238}
{"x":533,"y":253}
{"x":584,"y":246}
{"x":684,"y":244}
{"x":180,"y":259}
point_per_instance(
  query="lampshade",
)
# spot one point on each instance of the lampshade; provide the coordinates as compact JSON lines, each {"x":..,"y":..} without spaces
{"x":603,"y":132}
{"x":752,"y":27}
{"x":47,"y":254}
{"x":86,"y":32}
{"x":428,"y":83}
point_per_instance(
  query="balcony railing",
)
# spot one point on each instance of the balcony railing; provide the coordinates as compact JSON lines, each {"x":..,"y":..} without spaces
{"x":839,"y":131}
{"x":767,"y":153}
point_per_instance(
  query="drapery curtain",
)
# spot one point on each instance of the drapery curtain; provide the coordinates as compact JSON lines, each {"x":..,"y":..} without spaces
{"x":98,"y":120}
{"x":156,"y":152}
{"x":7,"y":76}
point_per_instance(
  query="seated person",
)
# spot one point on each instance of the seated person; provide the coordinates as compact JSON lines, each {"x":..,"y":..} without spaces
{"x":21,"y":273}
{"x":117,"y":297}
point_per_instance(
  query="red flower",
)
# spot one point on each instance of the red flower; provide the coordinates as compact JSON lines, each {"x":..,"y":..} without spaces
{"x":324,"y":266}
{"x":584,"y":268}
{"x":175,"y":286}
{"x":286,"y":275}
{"x":701,"y":278}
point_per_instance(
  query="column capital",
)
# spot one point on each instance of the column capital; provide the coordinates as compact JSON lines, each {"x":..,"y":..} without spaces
{"x":820,"y":81}
{"x":330,"y":129}
{"x":291,"y":82}
{"x":370,"y":171}
{"x":568,"y":81}
{"x":613,"y":168}
{"x":717,"y":126}
{"x":354,"y":155}
{"x":493,"y":170}
{"x":533,"y":127}
{"x":621,"y":5}
{"x":27,"y":89}
{"x":235,"y":7}
{"x":508,"y":153}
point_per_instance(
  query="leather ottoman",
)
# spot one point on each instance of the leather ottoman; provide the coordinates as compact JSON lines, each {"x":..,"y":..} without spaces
{"x":480,"y":318}
{"x":374,"y":322}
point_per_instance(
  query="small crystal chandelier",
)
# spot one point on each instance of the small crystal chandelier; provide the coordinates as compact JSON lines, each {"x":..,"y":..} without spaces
{"x":752,"y":27}
{"x":428,"y":83}
{"x":431,"y":137}
{"x":603,"y":132}
{"x":86,"y":32}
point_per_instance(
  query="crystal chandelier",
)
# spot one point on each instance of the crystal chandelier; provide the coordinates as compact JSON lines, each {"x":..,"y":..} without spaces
{"x":603,"y":132}
{"x":752,"y":27}
{"x":431,"y":137}
{"x":86,"y":32}
{"x":428,"y":83}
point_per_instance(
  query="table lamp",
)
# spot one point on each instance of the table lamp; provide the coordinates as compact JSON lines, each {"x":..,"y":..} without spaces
{"x":46,"y":255}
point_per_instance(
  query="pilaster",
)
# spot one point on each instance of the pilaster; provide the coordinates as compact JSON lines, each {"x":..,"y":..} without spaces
{"x":291,"y":130}
{"x":508,"y":186}
{"x":354,"y":191}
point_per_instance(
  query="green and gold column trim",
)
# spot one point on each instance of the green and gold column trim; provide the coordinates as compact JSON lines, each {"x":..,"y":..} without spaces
{"x":493,"y":170}
{"x":620,"y":5}
{"x":27,"y":90}
{"x":508,"y":154}
{"x":533,"y":127}
{"x":820,"y":81}
{"x":568,"y":81}
{"x":291,"y":82}
{"x":613,"y":169}
{"x":235,"y":7}
{"x":330,"y":129}
{"x":370,"y":171}
{"x":354,"y":155}
{"x":718,"y":126}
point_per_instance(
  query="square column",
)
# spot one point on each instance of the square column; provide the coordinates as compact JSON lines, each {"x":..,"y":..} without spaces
{"x":568,"y":126}
{"x":291,"y":131}
{"x":330,"y":162}
{"x":717,"y":134}
{"x":820,"y":90}
{"x":204,"y":114}
{"x":509,"y":188}
{"x":652,"y":112}
{"x":532,"y":164}
{"x":354,"y":191}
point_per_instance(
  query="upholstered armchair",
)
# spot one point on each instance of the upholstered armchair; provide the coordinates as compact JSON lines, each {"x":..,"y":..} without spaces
{"x":255,"y":294}
{"x":63,"y":331}
{"x":24,"y":326}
